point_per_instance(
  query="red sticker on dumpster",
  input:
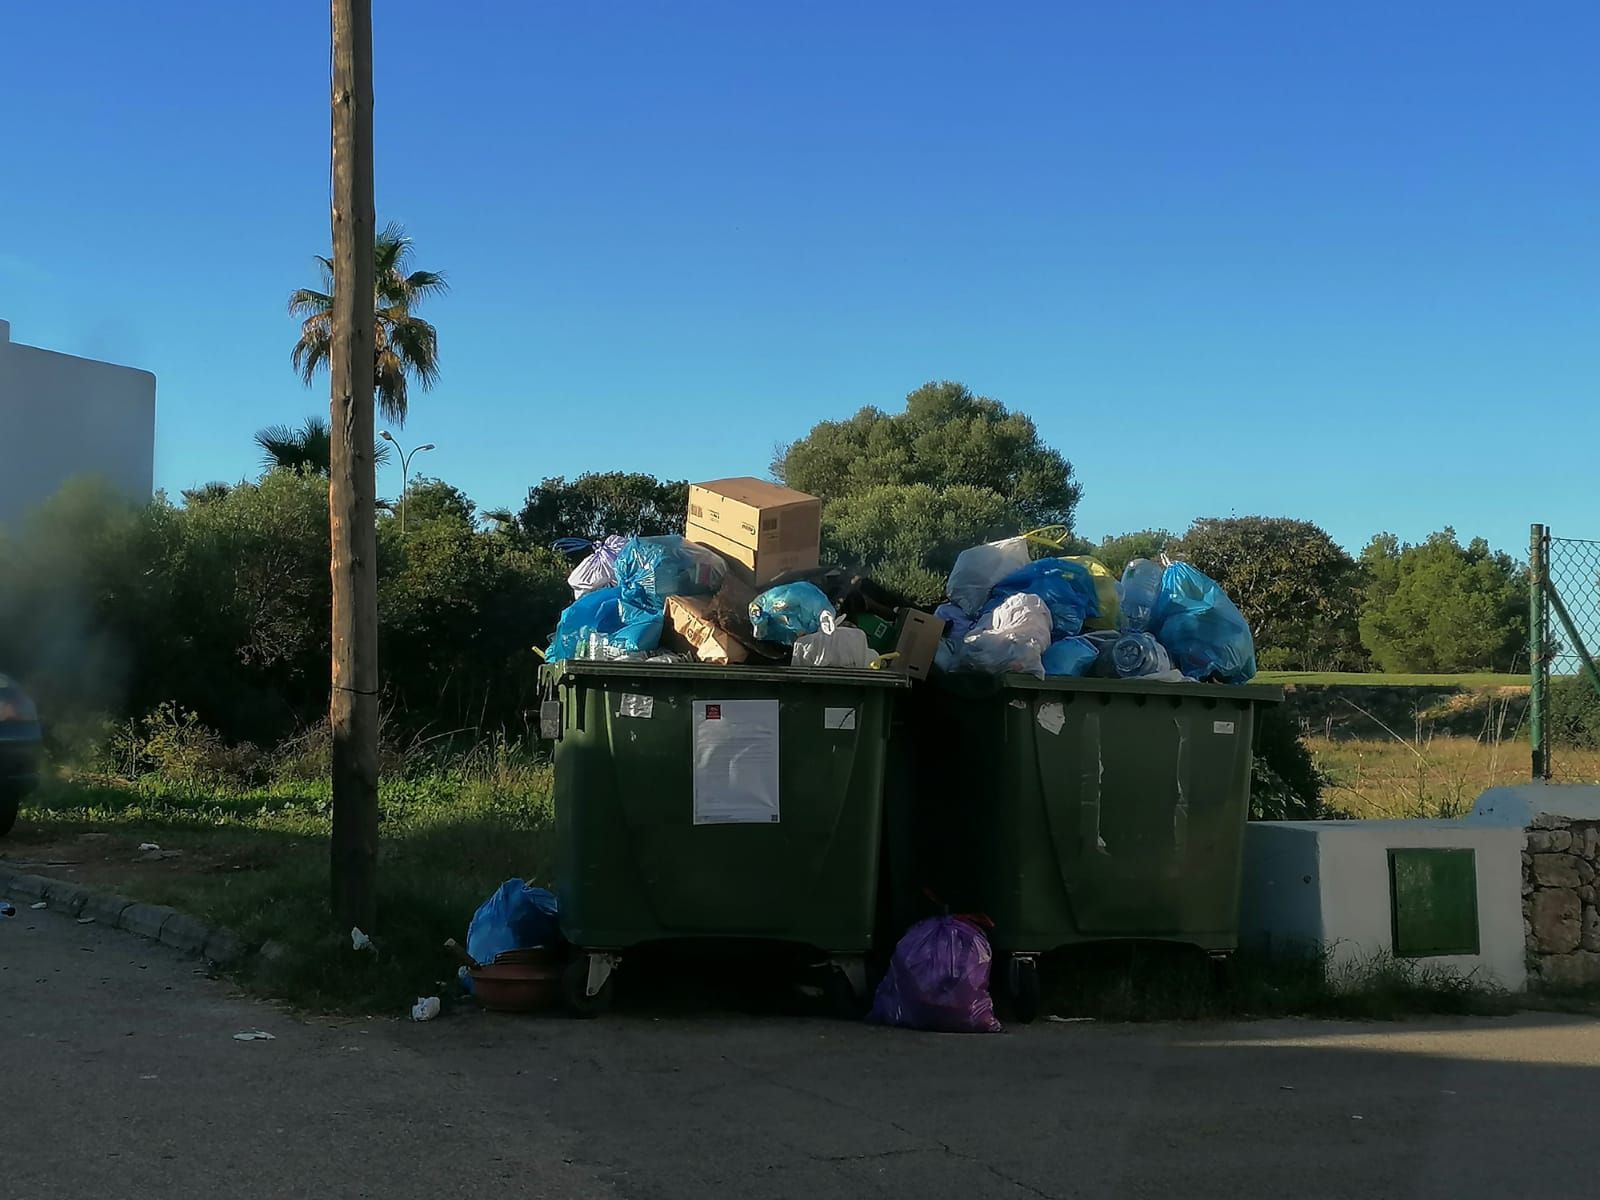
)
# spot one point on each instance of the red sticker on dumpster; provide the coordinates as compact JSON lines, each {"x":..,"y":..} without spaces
{"x":713,"y":712}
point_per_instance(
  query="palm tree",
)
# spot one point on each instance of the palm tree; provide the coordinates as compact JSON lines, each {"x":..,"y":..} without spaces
{"x":407,"y":346}
{"x":205,"y":493}
{"x":310,"y":446}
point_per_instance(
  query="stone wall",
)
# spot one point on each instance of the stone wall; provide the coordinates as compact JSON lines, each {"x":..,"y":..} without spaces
{"x":1560,"y":866}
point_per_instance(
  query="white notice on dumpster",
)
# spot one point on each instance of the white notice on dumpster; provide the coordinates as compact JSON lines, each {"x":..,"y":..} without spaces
{"x":735,"y":762}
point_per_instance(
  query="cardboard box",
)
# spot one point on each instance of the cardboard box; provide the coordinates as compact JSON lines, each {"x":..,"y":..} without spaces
{"x":916,"y":641}
{"x":754,"y":568}
{"x":762,"y":529}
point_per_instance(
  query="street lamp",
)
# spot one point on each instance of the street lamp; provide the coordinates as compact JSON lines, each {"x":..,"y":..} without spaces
{"x":405,"y":471}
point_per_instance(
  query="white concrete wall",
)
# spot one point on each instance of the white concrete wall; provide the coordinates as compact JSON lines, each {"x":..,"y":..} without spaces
{"x":1520,"y":803}
{"x":1327,"y":882}
{"x":62,"y":417}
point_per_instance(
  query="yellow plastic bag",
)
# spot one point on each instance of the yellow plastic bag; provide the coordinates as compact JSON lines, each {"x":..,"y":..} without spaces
{"x":1105,"y":589}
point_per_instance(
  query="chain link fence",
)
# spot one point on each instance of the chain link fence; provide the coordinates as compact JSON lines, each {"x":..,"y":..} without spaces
{"x":1564,"y":637}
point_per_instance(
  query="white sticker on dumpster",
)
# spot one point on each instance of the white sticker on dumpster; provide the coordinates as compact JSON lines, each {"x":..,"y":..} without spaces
{"x":1051,"y":716}
{"x":636,"y":706}
{"x":1222,"y":727}
{"x":839,"y":718}
{"x":735,"y":762}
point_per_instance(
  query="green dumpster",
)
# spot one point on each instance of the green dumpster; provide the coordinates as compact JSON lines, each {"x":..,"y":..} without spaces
{"x":708,"y":802}
{"x":1072,"y":810}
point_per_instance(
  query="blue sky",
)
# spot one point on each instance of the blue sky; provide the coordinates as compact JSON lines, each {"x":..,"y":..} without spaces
{"x":1338,"y":262}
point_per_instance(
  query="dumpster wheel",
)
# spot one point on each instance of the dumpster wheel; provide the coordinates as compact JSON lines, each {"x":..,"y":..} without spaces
{"x":583,"y":994}
{"x":1022,"y":987}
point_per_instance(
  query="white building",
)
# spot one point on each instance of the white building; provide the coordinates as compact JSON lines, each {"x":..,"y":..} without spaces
{"x":62,"y":417}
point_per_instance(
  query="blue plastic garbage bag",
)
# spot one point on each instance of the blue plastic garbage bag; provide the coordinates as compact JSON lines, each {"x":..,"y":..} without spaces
{"x":649,"y":569}
{"x":938,"y":979}
{"x":1137,"y":653}
{"x":1141,"y":586}
{"x":957,"y":624}
{"x":641,"y":632}
{"x":598,"y":611}
{"x":1066,"y":587}
{"x":1071,"y":656}
{"x":788,"y":611}
{"x":517,"y":916}
{"x":1207,"y":637}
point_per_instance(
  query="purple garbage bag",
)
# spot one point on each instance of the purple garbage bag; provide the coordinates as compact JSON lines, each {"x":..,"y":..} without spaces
{"x":938,"y":979}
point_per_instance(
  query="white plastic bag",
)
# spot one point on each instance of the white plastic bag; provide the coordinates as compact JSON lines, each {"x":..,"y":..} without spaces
{"x":599,"y":569}
{"x":845,"y":647}
{"x":1011,"y":639}
{"x":979,"y":568}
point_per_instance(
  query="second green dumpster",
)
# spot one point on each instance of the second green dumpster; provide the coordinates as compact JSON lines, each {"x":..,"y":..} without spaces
{"x":1072,"y":810}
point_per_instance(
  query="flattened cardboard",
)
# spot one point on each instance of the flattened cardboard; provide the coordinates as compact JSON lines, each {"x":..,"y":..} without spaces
{"x":916,"y":641}
{"x":728,"y":612}
{"x":692,"y":626}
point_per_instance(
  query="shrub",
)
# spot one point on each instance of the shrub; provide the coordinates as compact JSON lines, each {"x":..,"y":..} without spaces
{"x":1285,"y":784}
{"x":1574,"y":717}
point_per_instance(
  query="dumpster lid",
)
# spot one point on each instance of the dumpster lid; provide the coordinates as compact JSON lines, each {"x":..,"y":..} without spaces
{"x":715,"y":671}
{"x":1259,"y":693}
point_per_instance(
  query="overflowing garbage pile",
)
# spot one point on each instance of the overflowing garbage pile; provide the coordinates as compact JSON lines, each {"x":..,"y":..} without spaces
{"x":744,"y":585}
{"x":1011,"y":612}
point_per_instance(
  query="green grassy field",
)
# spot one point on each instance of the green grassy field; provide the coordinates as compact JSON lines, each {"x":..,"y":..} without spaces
{"x":1437,"y":777}
{"x":1400,"y":746}
{"x":1379,"y":679}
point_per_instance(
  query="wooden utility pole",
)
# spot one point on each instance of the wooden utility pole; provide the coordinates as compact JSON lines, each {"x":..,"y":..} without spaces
{"x":353,"y":708}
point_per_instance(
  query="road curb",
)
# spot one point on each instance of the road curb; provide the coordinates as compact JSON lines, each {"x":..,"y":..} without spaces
{"x":157,"y":922}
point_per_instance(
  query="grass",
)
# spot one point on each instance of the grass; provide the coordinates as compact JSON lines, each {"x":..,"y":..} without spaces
{"x":1379,"y":679}
{"x":256,"y":861}
{"x":1435,"y":777}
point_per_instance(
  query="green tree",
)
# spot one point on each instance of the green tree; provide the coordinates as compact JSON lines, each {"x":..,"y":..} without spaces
{"x":205,"y":492}
{"x":946,"y":437}
{"x":309,"y":447}
{"x":904,"y":493}
{"x":250,"y":576}
{"x":908,"y":535}
{"x":220,"y":608}
{"x":1439,"y":606}
{"x":599,"y":503}
{"x":1300,"y":590}
{"x":1116,"y":551}
{"x":430,"y":499}
{"x":406,"y":346}
{"x":459,"y":612}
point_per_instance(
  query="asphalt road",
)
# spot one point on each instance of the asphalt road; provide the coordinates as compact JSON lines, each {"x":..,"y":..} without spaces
{"x":122,"y":1077}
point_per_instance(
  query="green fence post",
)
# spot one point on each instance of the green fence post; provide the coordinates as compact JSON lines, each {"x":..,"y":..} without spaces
{"x":1538,"y":667}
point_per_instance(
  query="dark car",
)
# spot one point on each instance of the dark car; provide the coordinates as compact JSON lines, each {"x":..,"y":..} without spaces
{"x":21,"y":749}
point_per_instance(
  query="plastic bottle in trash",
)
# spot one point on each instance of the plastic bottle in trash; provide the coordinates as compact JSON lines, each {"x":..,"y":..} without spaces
{"x":1138,"y":653}
{"x":1141,"y":583}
